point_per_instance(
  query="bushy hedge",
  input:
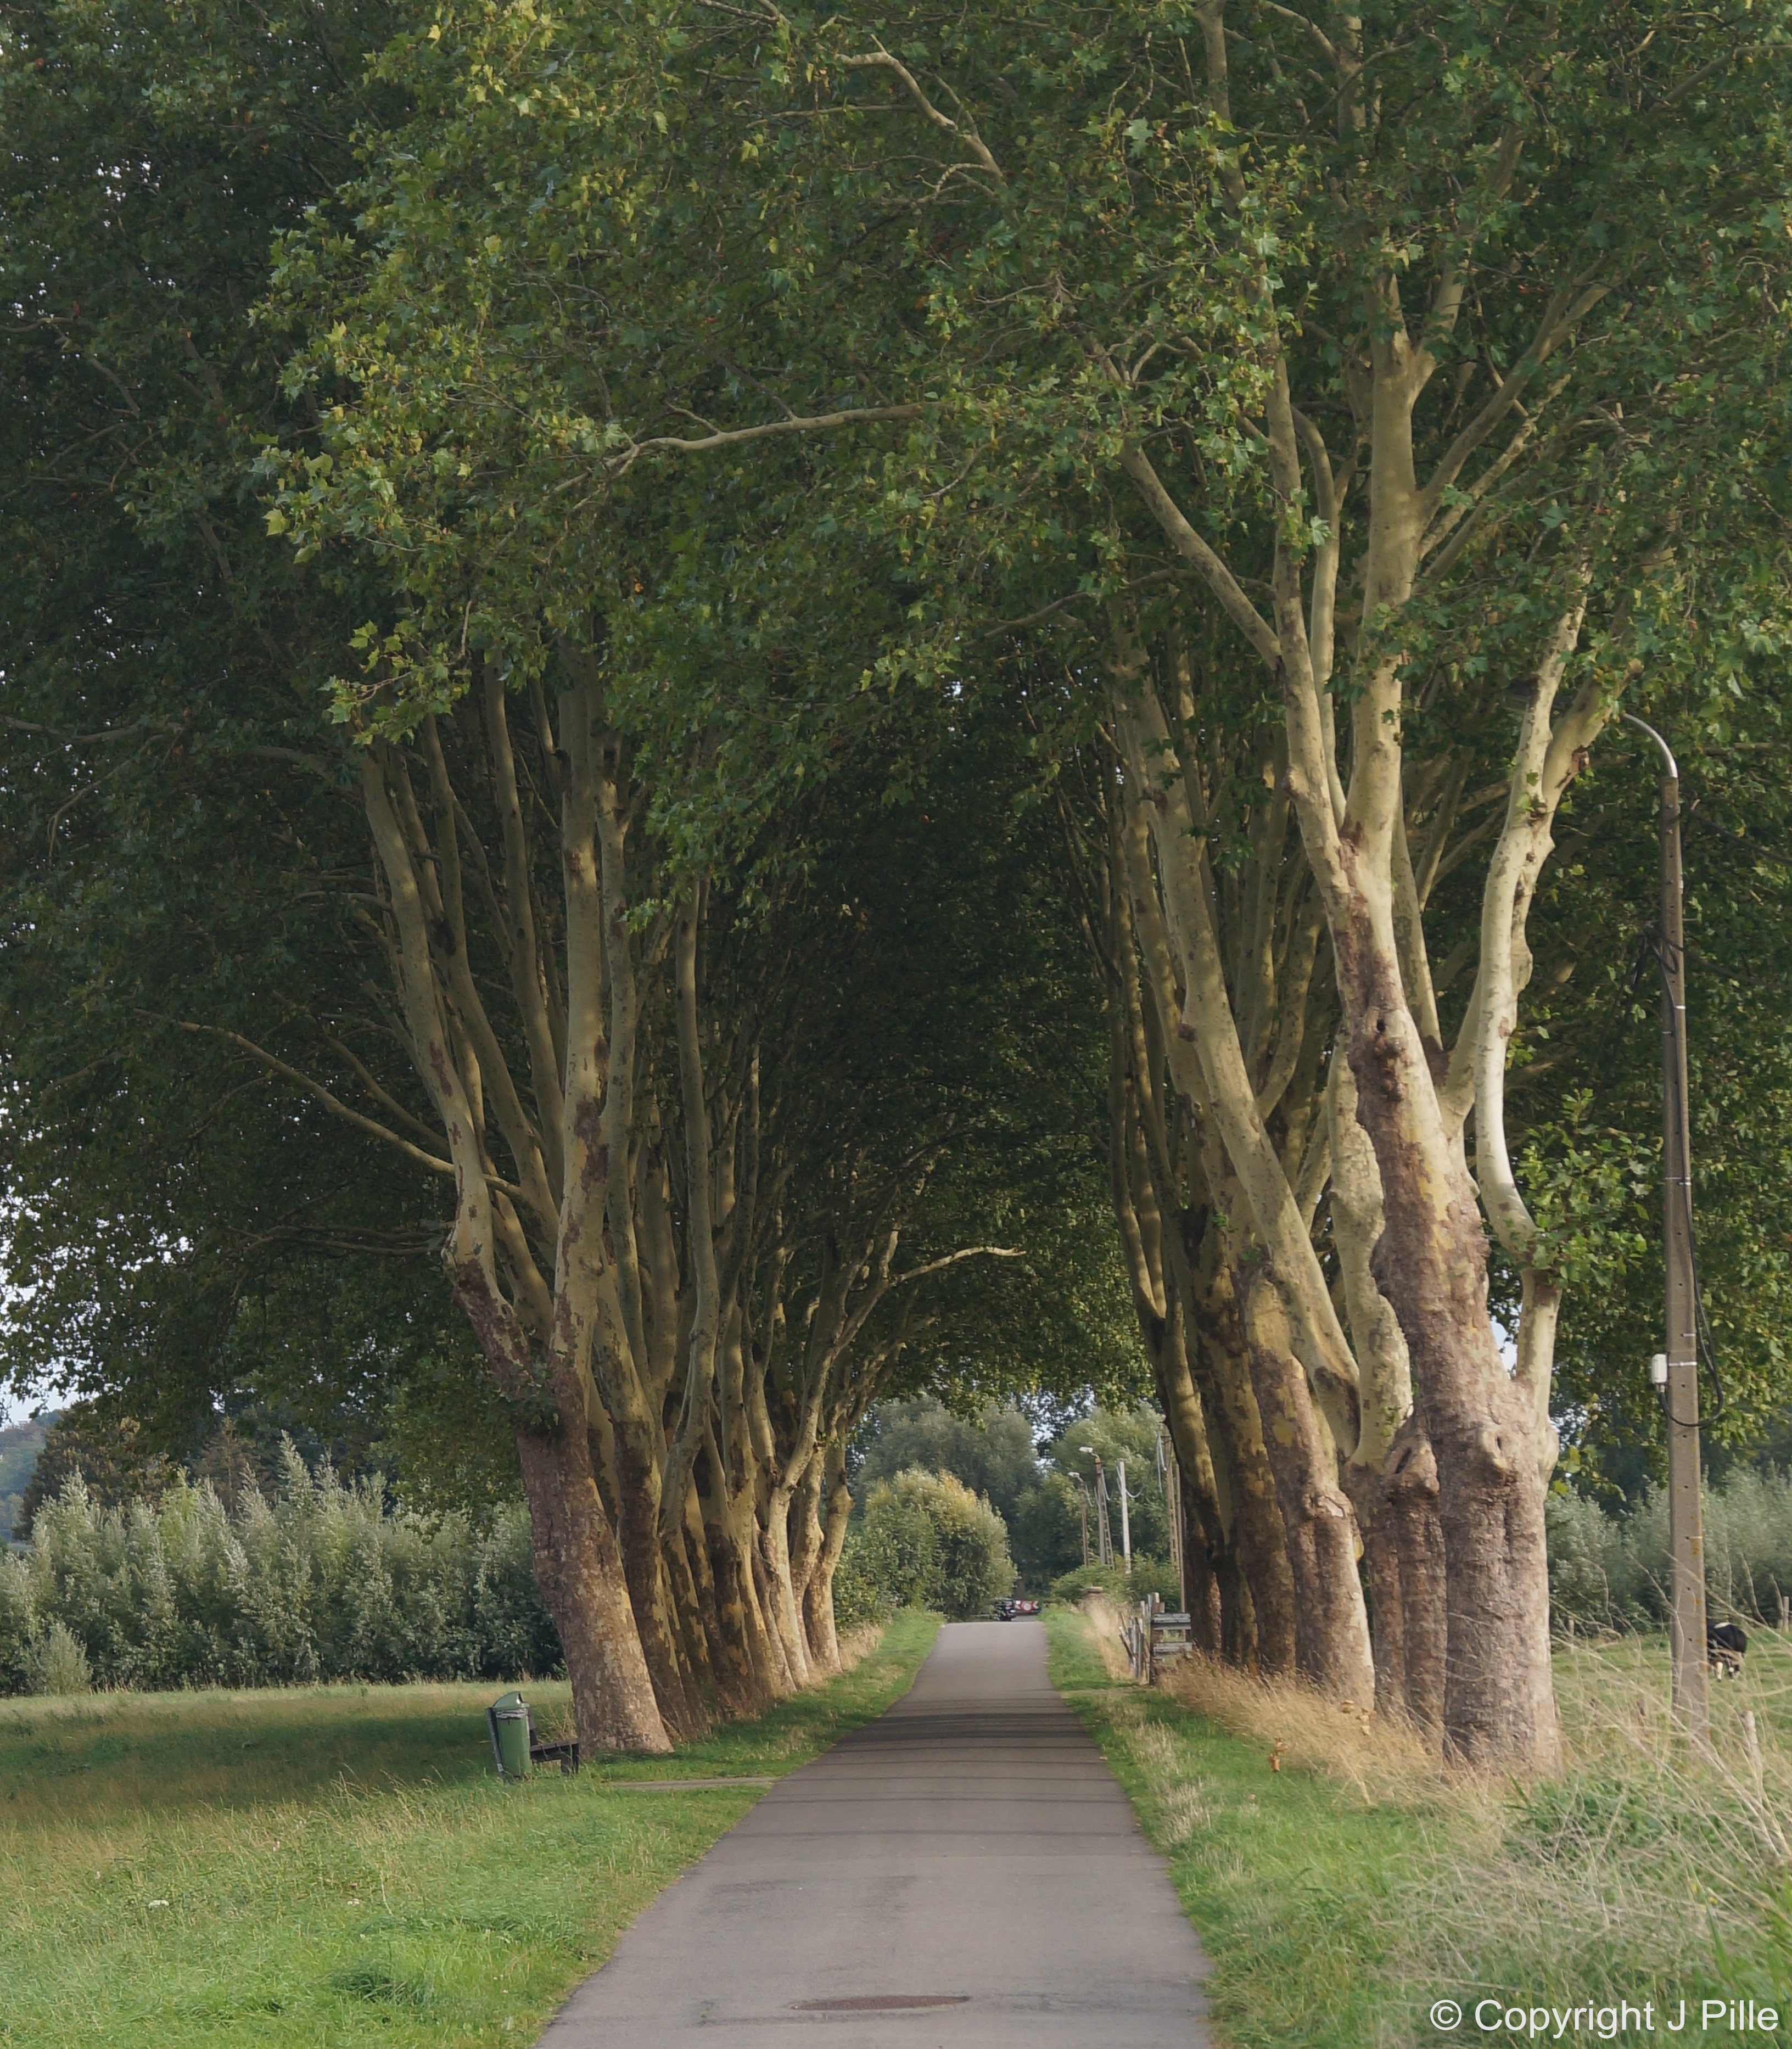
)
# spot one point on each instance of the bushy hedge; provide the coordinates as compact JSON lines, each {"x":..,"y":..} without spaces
{"x":858,"y":1599}
{"x":1148,"y":1576}
{"x":926,"y":1541}
{"x":1609,"y":1572}
{"x":322,"y":1582}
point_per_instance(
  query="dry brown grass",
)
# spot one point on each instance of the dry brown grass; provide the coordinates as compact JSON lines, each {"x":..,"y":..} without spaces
{"x":857,"y":1644}
{"x":1299,"y":1728}
{"x":1105,"y":1623}
{"x":1650,"y":1867}
{"x":1309,"y":1731}
{"x":1614,"y":1704}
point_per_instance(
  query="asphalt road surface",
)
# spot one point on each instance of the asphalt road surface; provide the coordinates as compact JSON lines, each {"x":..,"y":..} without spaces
{"x":963,"y":1873}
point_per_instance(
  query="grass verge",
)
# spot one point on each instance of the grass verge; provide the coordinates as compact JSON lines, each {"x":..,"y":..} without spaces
{"x":1343,"y":1892}
{"x":338,"y":1865}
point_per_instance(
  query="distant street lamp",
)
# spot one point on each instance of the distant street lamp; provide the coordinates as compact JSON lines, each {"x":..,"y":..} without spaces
{"x":1680,"y":1393}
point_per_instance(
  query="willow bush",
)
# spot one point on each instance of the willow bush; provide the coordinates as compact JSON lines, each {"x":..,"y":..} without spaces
{"x":1611,"y":1572}
{"x":927,"y":1542}
{"x":323,"y":1581}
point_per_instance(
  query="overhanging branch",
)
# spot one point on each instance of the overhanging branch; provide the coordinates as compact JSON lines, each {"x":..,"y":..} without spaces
{"x":813,"y":423}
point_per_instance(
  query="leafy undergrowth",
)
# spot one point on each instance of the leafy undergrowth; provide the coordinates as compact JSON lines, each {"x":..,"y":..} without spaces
{"x":338,"y":1865}
{"x":1345,"y":1891}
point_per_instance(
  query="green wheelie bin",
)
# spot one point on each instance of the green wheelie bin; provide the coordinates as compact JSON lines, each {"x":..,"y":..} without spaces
{"x":508,"y":1720}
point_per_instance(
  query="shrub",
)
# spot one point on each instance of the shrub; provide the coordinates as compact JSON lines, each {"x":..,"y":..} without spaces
{"x":324,"y":1581}
{"x":58,"y":1664}
{"x":858,"y":1600}
{"x":1611,"y":1572}
{"x":1150,"y":1576}
{"x":16,"y":1626}
{"x":928,"y":1541}
{"x":993,"y":1453}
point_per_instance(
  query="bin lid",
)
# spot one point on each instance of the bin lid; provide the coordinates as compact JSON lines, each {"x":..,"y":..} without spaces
{"x":512,"y":1703}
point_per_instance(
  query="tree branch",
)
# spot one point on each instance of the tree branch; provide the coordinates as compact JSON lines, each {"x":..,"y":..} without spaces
{"x":331,"y":1101}
{"x":1188,"y":544}
{"x":1566,"y":309}
{"x":813,"y":423}
{"x":880,"y":60}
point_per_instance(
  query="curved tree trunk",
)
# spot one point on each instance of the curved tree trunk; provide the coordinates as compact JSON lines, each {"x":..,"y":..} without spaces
{"x":1210,"y":1580}
{"x":693,"y":1610}
{"x":1391,"y":1477}
{"x":746,"y":1674}
{"x":779,"y":1590}
{"x":808,"y":1541}
{"x":1431,"y":1263}
{"x":784,"y":1680}
{"x":1367,"y":1488}
{"x":1410,"y":1484}
{"x":1209,"y":1564}
{"x":818,"y":1599}
{"x":1217,"y":1361}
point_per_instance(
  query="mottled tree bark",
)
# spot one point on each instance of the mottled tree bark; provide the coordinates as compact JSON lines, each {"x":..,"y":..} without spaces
{"x":579,"y":1571}
{"x":650,"y":1590}
{"x":818,"y":1599}
{"x":1319,"y":1526}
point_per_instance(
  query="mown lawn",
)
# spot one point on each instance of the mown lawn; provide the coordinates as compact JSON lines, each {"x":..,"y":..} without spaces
{"x":339,"y":1864}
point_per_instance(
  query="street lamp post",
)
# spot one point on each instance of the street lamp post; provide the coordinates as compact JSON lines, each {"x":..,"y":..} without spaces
{"x":1680,"y":1401}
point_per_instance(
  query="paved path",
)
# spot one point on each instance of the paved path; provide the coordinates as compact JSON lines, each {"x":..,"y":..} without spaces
{"x":963,"y":1873}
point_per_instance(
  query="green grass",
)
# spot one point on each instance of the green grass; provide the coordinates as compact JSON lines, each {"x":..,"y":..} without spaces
{"x":1285,"y":1874}
{"x":1338,"y":1905}
{"x":338,"y":1865}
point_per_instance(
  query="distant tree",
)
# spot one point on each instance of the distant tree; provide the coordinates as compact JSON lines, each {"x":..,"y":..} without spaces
{"x":1047,"y":1531}
{"x":107,"y":1450}
{"x":1117,"y":1437}
{"x":928,"y":1541}
{"x":20,"y":1444}
{"x":992,"y":1453}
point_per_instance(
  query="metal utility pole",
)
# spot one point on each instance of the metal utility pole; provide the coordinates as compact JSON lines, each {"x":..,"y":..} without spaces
{"x":1125,"y":1522}
{"x":1083,"y":1495}
{"x":1104,"y":1538}
{"x":1692,"y":1703}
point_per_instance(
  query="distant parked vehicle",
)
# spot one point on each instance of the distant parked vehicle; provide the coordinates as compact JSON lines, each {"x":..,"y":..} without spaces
{"x":1005,"y":1610}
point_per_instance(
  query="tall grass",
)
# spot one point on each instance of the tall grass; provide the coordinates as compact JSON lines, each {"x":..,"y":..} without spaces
{"x":322,"y":1582}
{"x":1650,"y":1870}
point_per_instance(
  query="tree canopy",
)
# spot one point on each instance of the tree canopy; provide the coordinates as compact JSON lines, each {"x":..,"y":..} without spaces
{"x":710,"y":713}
